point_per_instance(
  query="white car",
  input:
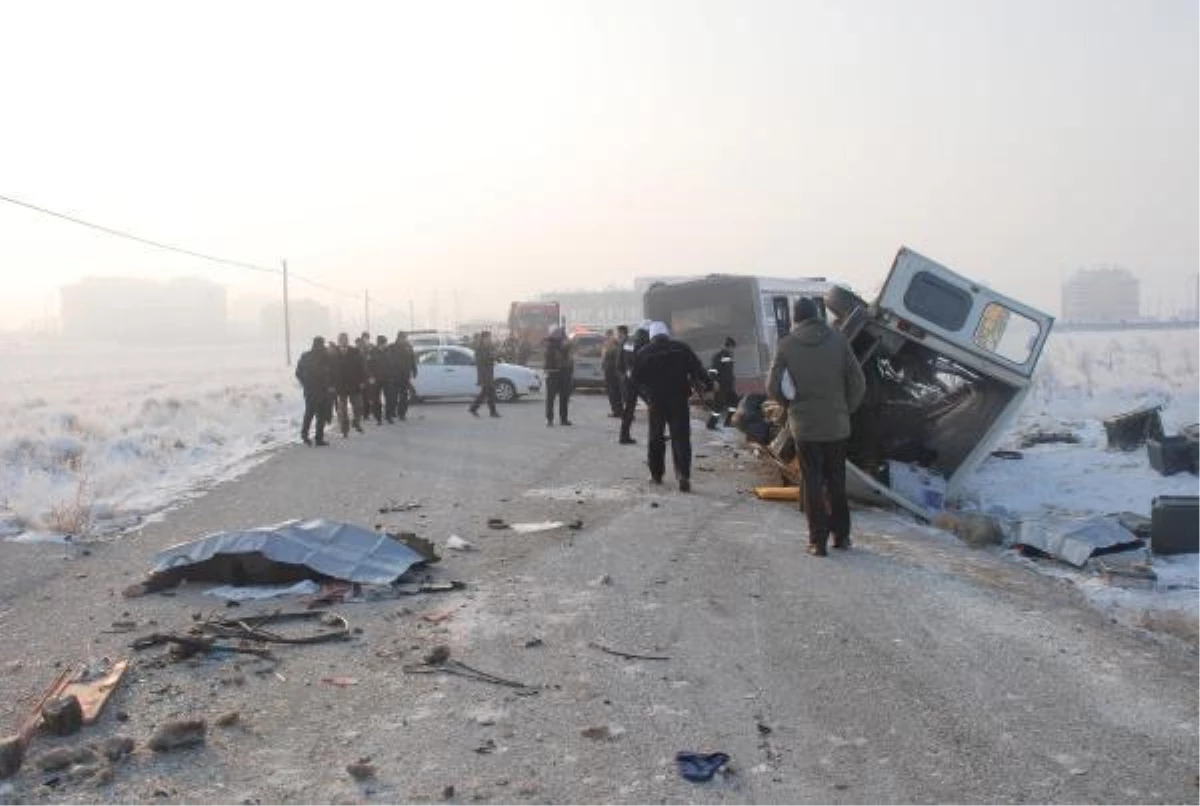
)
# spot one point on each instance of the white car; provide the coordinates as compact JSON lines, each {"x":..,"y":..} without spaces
{"x":449,"y":371}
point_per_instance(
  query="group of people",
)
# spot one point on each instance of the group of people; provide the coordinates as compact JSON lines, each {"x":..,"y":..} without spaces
{"x":814,"y":372}
{"x":358,"y":381}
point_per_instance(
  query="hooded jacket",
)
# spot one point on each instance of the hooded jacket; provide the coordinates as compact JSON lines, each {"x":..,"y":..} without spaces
{"x":828,"y":379}
{"x":665,"y":371}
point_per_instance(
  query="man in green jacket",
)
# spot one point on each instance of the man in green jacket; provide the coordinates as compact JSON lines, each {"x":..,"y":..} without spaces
{"x":829,"y":386}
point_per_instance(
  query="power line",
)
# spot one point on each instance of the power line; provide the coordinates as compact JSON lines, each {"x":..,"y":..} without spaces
{"x":122,"y":234}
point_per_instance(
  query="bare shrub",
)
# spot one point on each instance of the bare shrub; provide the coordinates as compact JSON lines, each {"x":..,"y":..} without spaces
{"x":74,"y":514}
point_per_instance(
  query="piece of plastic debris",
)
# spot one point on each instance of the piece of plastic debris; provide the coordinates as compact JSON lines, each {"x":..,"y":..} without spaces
{"x":541,"y":526}
{"x":700,"y":767}
{"x":341,"y":682}
{"x":456,"y":543}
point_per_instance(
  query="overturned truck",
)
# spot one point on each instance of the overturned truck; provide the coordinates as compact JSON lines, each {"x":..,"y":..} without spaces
{"x":948,"y":363}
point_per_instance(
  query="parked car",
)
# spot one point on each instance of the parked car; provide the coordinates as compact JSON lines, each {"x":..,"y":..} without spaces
{"x":449,"y":371}
{"x":423,"y":339}
{"x":586,"y":348}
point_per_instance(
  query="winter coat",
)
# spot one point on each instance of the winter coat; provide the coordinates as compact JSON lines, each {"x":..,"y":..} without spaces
{"x":610,"y":355}
{"x":828,"y":379}
{"x":404,"y":362}
{"x":378,"y":364}
{"x":349,"y":371}
{"x":722,"y":362}
{"x":558,"y":361}
{"x":665,"y":372}
{"x":485,"y":363}
{"x":315,"y":373}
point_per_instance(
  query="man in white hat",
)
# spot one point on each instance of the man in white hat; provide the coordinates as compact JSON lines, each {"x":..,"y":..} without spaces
{"x":667,"y":371}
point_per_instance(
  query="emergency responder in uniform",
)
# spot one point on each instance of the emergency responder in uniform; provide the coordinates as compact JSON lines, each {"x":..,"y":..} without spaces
{"x":404,"y":365}
{"x":485,"y":375}
{"x":560,"y":372}
{"x":726,"y":395}
{"x":315,"y":374}
{"x":629,"y":392}
{"x":667,"y":371}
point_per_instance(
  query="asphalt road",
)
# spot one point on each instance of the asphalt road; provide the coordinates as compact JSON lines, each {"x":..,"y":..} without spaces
{"x":911,"y":669}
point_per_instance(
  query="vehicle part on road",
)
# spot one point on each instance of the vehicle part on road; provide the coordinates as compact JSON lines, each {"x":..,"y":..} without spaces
{"x":1129,"y":431}
{"x":251,"y":628}
{"x":285,"y":553}
{"x":626,"y":655}
{"x":505,"y":391}
{"x":777,"y":493}
{"x":542,"y":526}
{"x":700,"y":767}
{"x":183,"y":647}
{"x":461,"y":669}
{"x":1175,"y":524}
{"x":1171,"y":455}
{"x":1074,"y":540}
{"x":12,"y":748}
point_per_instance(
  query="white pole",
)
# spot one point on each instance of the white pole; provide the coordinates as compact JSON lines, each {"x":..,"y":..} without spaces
{"x":287,"y":321}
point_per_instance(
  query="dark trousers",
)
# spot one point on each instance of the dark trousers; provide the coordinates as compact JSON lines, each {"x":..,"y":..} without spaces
{"x":391,"y":394}
{"x":823,"y":490}
{"x":676,"y":418}
{"x":487,"y":391}
{"x":404,"y":395}
{"x":629,"y":401}
{"x":612,"y":385}
{"x":315,"y":408}
{"x":557,"y":386}
{"x":373,"y":401}
{"x":726,"y":399}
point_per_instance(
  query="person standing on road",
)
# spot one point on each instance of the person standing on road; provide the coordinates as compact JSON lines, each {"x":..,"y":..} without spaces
{"x":629,"y":391}
{"x":829,"y":386}
{"x":726,"y":396}
{"x":485,"y":374}
{"x":668,"y":371}
{"x":560,"y":371}
{"x":349,"y":378}
{"x":315,"y":374}
{"x":404,"y":367}
{"x":612,"y":378}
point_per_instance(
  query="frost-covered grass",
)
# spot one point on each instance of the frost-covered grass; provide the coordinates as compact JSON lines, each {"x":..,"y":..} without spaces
{"x":94,"y":436}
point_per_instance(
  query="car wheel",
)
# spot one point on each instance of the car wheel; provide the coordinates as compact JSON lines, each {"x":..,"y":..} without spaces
{"x":505,"y":391}
{"x":842,"y":301}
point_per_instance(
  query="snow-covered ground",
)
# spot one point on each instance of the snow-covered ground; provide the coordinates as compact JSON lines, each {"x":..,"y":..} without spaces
{"x":1084,"y":378}
{"x":110,"y":434}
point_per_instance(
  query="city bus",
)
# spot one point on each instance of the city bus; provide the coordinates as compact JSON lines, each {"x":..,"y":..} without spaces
{"x":755,"y":311}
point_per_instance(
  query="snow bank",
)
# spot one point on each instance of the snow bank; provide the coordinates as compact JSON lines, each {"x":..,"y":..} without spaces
{"x":94,"y":437}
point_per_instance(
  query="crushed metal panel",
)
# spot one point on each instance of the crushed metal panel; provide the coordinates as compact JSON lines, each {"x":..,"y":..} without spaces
{"x":339,"y":550}
{"x":1074,"y":540}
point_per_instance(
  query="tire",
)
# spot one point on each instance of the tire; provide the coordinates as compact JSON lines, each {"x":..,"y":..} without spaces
{"x":506,"y":392}
{"x":842,"y":301}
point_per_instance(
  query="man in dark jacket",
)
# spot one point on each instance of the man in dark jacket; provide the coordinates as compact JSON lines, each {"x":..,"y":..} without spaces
{"x":666,"y":371}
{"x":316,"y":377}
{"x":404,"y":369}
{"x":485,"y":375}
{"x":726,"y":395}
{"x":629,"y":393}
{"x":377,"y":378}
{"x":560,"y":372}
{"x":612,"y":378}
{"x":349,"y":379}
{"x":829,"y":386}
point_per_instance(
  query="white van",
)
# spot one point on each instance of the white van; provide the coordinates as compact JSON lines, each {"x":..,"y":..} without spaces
{"x":948,"y":363}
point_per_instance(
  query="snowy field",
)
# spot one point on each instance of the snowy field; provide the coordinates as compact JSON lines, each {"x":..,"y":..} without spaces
{"x":94,"y":438}
{"x":1084,"y":378}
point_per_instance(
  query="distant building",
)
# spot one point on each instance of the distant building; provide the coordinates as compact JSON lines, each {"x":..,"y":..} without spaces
{"x":1102,"y":294}
{"x":605,"y":308}
{"x":186,"y":310}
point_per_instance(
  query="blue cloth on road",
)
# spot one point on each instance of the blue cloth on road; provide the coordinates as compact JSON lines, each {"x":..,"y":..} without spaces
{"x":700,"y":767}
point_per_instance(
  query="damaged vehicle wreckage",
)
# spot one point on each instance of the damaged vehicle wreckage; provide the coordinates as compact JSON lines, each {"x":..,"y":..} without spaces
{"x":947,"y":362}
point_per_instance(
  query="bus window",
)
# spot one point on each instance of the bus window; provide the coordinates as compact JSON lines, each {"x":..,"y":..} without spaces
{"x":783,"y":317}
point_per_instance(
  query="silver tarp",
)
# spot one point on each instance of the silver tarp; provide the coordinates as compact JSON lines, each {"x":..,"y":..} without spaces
{"x":1074,"y":540}
{"x":339,"y":550}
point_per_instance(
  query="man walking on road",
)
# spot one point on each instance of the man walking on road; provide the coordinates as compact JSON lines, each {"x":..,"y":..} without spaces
{"x":560,"y":370}
{"x":377,"y":372}
{"x":404,"y":367}
{"x":829,"y":386}
{"x":349,"y":379}
{"x":485,"y":375}
{"x":668,"y":371}
{"x":629,"y":392}
{"x":315,"y":374}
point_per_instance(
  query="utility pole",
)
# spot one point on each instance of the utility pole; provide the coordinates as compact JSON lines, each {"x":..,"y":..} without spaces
{"x":412,"y":320}
{"x":287,"y":320}
{"x":367,"y":310}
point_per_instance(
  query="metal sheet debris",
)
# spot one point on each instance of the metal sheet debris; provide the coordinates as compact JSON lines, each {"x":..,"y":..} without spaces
{"x":1074,"y":540}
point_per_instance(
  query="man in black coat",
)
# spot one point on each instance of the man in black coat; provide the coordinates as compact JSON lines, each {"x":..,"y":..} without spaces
{"x":485,"y":375}
{"x":404,"y":369}
{"x":349,"y":379}
{"x":560,"y":375}
{"x":377,"y":379}
{"x":665,"y":372}
{"x":629,"y":393}
{"x":315,"y":374}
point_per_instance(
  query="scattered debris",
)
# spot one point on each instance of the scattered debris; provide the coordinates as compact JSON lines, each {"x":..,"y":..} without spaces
{"x":488,"y":746}
{"x":496,"y":523}
{"x":603,"y":579}
{"x":439,"y":654}
{"x":575,"y":525}
{"x":1129,"y":431}
{"x":541,"y":526}
{"x":178,"y":735}
{"x":1173,"y":454}
{"x":700,"y":767}
{"x":456,"y":543}
{"x":438,"y":618}
{"x":976,"y":529}
{"x":1040,"y":437}
{"x":361,"y":770}
{"x":228,"y":719}
{"x":777,"y":493}
{"x":340,"y":682}
{"x":287,"y":553}
{"x":1073,"y":540}
{"x":626,"y":655}
{"x":1175,"y":524}
{"x":114,"y":748}
{"x":603,"y":733}
{"x":1007,"y":454}
{"x":448,"y":792}
{"x":62,"y":757}
{"x":407,"y":506}
{"x":438,"y":661}
{"x":62,"y":715}
{"x":413,"y":588}
{"x":249,"y":593}
{"x":534,"y":642}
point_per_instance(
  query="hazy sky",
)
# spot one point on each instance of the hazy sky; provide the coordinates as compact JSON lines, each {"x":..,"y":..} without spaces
{"x":503,"y":148}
